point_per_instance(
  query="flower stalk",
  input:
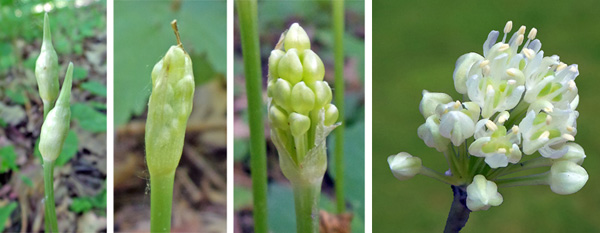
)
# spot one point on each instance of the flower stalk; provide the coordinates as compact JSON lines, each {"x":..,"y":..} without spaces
{"x":169,"y":107}
{"x":248,"y":19}
{"x":338,"y":29}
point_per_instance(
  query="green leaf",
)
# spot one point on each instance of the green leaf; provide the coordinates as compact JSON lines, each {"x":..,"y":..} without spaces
{"x":88,"y":118}
{"x":79,"y":73}
{"x":84,"y":204}
{"x":97,"y":105}
{"x":242,"y":197}
{"x":16,"y":96}
{"x":5,"y":212}
{"x":8,"y":159}
{"x":27,"y":181}
{"x":95,"y":88}
{"x":240,"y":149}
{"x":354,"y":168}
{"x":69,"y":149}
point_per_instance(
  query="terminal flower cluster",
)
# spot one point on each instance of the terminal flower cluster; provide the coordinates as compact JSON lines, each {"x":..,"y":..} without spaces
{"x":518,"y":112}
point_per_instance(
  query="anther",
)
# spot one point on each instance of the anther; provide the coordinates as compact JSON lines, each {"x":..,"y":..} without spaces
{"x":570,"y":128}
{"x":561,"y":66}
{"x":490,"y":125}
{"x":568,"y":137}
{"x":528,"y":53}
{"x":503,"y":47}
{"x":515,"y":129}
{"x":511,"y":82}
{"x":501,"y":150}
{"x":521,"y":30}
{"x":520,"y":39}
{"x":508,"y":27}
{"x":532,"y":34}
{"x":544,"y":135}
{"x":548,"y":119}
{"x":484,"y":63}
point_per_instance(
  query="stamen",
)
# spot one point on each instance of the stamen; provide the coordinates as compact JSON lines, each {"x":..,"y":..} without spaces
{"x":503,"y":47}
{"x":548,"y":119}
{"x":544,"y":135}
{"x":520,"y":40}
{"x":528,"y":53}
{"x":571,"y":85}
{"x":521,"y":30}
{"x":501,"y":150}
{"x":490,"y":125}
{"x":561,"y":66}
{"x":490,"y":90}
{"x":502,"y":119}
{"x":511,"y":82}
{"x":548,"y":109}
{"x":508,"y":27}
{"x":486,"y":70}
{"x":457,"y":104}
{"x":573,"y":69}
{"x":570,"y":129}
{"x":515,"y":129}
{"x":532,"y":34}
{"x":484,"y":63}
{"x":568,"y":137}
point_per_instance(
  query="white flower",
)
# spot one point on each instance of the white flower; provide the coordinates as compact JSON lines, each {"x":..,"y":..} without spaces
{"x":457,"y":122}
{"x":547,"y":131}
{"x":498,"y":148}
{"x":430,"y":102}
{"x":463,"y":66}
{"x":430,"y":133}
{"x":482,"y":194}
{"x":404,"y":166}
{"x":567,"y":177}
{"x":574,"y":153}
{"x":556,"y":87}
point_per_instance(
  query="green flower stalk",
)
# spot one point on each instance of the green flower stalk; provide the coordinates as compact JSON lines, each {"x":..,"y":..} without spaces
{"x":52,"y":137}
{"x":46,"y":70}
{"x":301,"y":116}
{"x":169,"y":107}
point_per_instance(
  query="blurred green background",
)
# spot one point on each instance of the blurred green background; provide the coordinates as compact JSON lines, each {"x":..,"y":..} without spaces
{"x":274,"y":17}
{"x":142,"y":35}
{"x":415,"y":47}
{"x":79,"y":35}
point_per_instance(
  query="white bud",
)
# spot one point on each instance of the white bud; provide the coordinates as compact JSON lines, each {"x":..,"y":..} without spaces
{"x":482,"y":194}
{"x":431,"y":100}
{"x":404,"y":166}
{"x":567,"y":177}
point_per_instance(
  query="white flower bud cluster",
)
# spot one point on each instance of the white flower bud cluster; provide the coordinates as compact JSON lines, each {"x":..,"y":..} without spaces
{"x":298,"y":93}
{"x":517,"y":103}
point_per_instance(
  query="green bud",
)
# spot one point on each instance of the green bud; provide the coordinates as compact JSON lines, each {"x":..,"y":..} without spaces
{"x":282,"y":92}
{"x":276,"y":55}
{"x":296,"y":38}
{"x":313,"y":68}
{"x":299,"y":124}
{"x":303,"y":98}
{"x":56,"y":125}
{"x":331,"y":114}
{"x":46,"y":67}
{"x":169,"y":107}
{"x":322,"y":92}
{"x":271,"y":86}
{"x":290,"y":67}
{"x":404,"y":166}
{"x":278,"y":118}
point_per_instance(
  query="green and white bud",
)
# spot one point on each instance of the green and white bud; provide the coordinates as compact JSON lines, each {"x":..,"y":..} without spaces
{"x":404,"y":166}
{"x":313,"y":68}
{"x":296,"y":38}
{"x":574,"y":153}
{"x":430,"y":102}
{"x":567,"y":177}
{"x":169,"y":107}
{"x":323,"y":94}
{"x":303,"y":98}
{"x":276,"y":55}
{"x":282,"y":92}
{"x":482,"y":194}
{"x":46,"y":68}
{"x":279,"y":118}
{"x":331,"y":114}
{"x":290,"y":67}
{"x":299,"y":124}
{"x":57,"y":123}
{"x":463,"y":66}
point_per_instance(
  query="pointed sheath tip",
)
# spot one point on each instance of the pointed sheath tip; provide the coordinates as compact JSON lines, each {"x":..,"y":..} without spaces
{"x":47,"y":33}
{"x":65,"y":93}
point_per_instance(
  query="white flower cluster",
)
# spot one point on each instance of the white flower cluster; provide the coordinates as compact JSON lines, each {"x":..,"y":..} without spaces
{"x":516,"y":103}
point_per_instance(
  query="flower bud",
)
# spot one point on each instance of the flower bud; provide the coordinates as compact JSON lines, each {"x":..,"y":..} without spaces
{"x":290,"y":67}
{"x":322,"y":93}
{"x":278,"y":118}
{"x":296,"y":38}
{"x":303,"y":98}
{"x":282,"y":92}
{"x":567,"y":177}
{"x":276,"y":55}
{"x":404,"y":166}
{"x":430,"y":133}
{"x":299,"y":124}
{"x":331,"y":114}
{"x":313,"y":68}
{"x":56,"y":125}
{"x":574,"y":153}
{"x":463,"y":65}
{"x":46,"y":67}
{"x":431,"y":100}
{"x":482,"y":194}
{"x":457,"y":126}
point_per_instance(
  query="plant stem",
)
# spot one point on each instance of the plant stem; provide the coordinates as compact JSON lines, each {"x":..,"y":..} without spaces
{"x":306,"y":199}
{"x":51,"y":224}
{"x":247,"y":15}
{"x":529,"y":164}
{"x":338,"y":31}
{"x":537,"y":179}
{"x":459,"y":213}
{"x":451,"y":180}
{"x":161,"y":199}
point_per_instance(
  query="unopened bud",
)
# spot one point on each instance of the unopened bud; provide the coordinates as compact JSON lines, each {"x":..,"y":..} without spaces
{"x":323,"y":94}
{"x":430,"y":102}
{"x":331,"y":114}
{"x":278,"y":117}
{"x":46,"y":67}
{"x":482,"y":194}
{"x":299,"y":124}
{"x":302,"y":99}
{"x":296,"y":38}
{"x":282,"y":92}
{"x":313,"y":68}
{"x":290,"y":67}
{"x":276,"y":55}
{"x":567,"y":177}
{"x":404,"y":166}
